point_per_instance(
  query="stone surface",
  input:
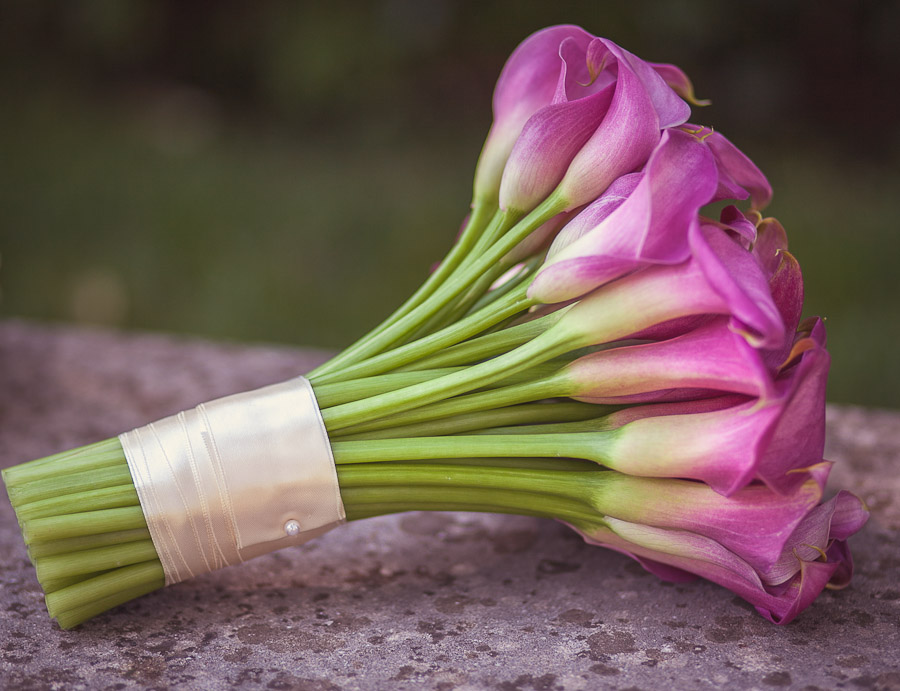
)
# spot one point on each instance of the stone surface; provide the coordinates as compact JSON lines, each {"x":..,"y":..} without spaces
{"x":417,"y":601}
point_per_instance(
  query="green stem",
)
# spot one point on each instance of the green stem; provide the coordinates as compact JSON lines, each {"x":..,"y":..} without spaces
{"x":76,"y":544}
{"x":387,"y":479}
{"x":488,"y":346}
{"x":90,"y":457}
{"x":91,"y":560}
{"x":552,"y":386}
{"x":527,"y":414}
{"x":526,"y":274}
{"x":81,"y":524}
{"x":69,"y":483}
{"x":51,"y":585}
{"x":454,"y":310}
{"x":90,"y":500}
{"x":365,"y":502}
{"x":106,"y":585}
{"x":591,"y":447}
{"x":492,"y":233}
{"x":520,"y":462}
{"x":588,"y":424}
{"x":509,"y":306}
{"x":328,"y":395}
{"x":548,"y":345}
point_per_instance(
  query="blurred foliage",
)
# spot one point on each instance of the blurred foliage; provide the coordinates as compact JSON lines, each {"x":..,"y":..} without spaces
{"x":288,"y":171}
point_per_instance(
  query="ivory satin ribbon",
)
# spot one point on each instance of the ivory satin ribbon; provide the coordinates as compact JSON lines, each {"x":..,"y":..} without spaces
{"x":235,"y":478}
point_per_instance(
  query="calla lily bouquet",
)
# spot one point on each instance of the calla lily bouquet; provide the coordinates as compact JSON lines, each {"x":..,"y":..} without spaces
{"x":594,"y":348}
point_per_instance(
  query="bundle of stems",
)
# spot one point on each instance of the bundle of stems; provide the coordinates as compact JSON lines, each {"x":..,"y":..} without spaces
{"x":79,"y":511}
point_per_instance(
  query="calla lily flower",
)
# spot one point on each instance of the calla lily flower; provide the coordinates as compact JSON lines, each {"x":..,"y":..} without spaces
{"x":596,"y":212}
{"x":721,"y":277}
{"x":705,"y":361}
{"x":546,"y":147}
{"x":650,"y":226}
{"x":801,"y":383}
{"x":642,"y":106}
{"x":785,"y":280}
{"x":760,"y":526}
{"x":815,"y":556}
{"x":594,"y":131}
{"x":684,"y":172}
{"x":735,"y":275}
{"x":528,"y":82}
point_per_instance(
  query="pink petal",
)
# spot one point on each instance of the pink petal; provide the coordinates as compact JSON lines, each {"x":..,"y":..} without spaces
{"x":546,"y":146}
{"x":771,"y":241}
{"x":679,"y":82}
{"x":674,"y":553}
{"x":528,"y":82}
{"x":786,"y":286}
{"x":755,"y":523}
{"x":736,"y":276}
{"x":797,"y":439}
{"x":738,"y":171}
{"x":621,"y":143}
{"x":836,"y":519}
{"x":595,"y":213}
{"x":711,"y":358}
{"x":650,"y":226}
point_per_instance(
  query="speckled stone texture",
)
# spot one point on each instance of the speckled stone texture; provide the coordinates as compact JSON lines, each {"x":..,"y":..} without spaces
{"x":418,"y":601}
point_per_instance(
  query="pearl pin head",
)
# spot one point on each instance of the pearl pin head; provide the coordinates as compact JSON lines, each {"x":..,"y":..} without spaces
{"x":292,"y":527}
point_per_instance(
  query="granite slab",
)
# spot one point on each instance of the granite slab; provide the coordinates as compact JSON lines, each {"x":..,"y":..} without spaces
{"x":416,"y":601}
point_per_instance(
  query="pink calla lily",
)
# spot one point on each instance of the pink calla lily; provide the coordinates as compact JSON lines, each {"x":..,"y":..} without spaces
{"x":705,"y":361}
{"x":650,"y":226}
{"x":595,"y":213}
{"x":620,"y":144}
{"x":529,"y":81}
{"x":593,"y":131}
{"x":721,"y":277}
{"x":680,"y":555}
{"x":546,"y":146}
{"x":760,"y":526}
{"x":735,"y":275}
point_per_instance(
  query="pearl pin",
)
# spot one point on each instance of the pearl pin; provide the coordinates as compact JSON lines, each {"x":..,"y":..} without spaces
{"x":292,"y":527}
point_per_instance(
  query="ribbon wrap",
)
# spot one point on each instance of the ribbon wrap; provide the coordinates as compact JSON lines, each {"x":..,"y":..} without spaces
{"x":235,"y":478}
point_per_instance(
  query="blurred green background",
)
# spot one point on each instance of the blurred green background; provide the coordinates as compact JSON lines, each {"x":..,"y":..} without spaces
{"x":288,"y":171}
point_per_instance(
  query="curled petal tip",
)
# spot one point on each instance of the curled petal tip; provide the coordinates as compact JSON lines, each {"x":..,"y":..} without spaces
{"x":680,"y":83}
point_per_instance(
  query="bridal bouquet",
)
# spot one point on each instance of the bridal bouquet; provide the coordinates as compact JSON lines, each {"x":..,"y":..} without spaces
{"x":597,"y":347}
